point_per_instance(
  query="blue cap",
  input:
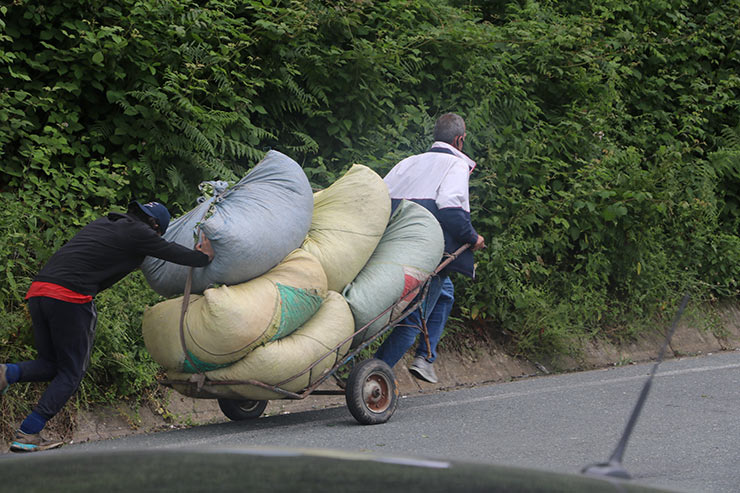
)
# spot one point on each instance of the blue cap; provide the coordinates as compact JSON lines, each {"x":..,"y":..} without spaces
{"x":158,"y":212}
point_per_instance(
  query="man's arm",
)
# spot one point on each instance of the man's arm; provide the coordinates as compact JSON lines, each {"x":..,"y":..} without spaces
{"x":149,"y":243}
{"x":456,"y":222}
{"x":453,"y":205}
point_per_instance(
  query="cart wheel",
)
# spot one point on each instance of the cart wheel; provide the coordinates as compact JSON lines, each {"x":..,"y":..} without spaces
{"x":372,"y":392}
{"x":241,"y":410}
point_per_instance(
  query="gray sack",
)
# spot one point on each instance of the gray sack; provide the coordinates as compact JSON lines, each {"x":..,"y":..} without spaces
{"x":252,"y":226}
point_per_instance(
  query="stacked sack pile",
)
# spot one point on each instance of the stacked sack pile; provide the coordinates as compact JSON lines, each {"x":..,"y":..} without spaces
{"x":269,"y":308}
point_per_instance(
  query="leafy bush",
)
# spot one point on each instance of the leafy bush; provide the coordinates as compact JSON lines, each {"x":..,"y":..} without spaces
{"x":606,"y":137}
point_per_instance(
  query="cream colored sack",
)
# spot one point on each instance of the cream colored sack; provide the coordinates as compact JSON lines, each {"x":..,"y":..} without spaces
{"x":285,"y":358}
{"x":227,"y":322}
{"x":349,"y":218}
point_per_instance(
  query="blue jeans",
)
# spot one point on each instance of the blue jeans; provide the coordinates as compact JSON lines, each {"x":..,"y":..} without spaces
{"x":437,"y":307}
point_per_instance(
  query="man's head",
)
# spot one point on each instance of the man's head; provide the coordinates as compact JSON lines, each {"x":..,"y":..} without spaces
{"x":153,"y":210}
{"x":450,"y":128}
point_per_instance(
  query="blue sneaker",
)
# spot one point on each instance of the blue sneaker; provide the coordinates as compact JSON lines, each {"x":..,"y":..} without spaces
{"x":25,"y":442}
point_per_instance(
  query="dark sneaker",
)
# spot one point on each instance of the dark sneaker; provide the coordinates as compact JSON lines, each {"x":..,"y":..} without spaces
{"x":3,"y":379}
{"x":32,"y":443}
{"x":423,"y":370}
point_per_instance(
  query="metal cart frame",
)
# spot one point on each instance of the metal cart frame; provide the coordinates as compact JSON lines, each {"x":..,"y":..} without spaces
{"x":371,"y":390}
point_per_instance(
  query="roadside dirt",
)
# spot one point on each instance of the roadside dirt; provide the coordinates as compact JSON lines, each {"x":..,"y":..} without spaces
{"x":469,"y":363}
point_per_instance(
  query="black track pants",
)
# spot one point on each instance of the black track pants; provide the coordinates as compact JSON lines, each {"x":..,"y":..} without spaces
{"x":63,"y":334}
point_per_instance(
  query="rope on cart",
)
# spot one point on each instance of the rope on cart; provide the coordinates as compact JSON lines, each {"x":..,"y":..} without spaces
{"x":449,"y":257}
{"x":219,"y":189}
{"x":200,"y":378}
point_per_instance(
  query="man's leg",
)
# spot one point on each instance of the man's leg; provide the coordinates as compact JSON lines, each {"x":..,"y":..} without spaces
{"x":44,"y":367}
{"x":403,"y":335}
{"x":70,"y":329}
{"x":73,"y":333}
{"x":422,"y":366}
{"x":400,"y":339}
{"x":437,"y":320}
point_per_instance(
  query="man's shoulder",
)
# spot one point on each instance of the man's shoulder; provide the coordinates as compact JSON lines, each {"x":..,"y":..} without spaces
{"x":432,"y":158}
{"x":122,"y":226}
{"x":426,"y":170}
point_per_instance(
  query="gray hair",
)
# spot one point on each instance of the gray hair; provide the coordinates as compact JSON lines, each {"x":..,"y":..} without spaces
{"x":449,"y":126}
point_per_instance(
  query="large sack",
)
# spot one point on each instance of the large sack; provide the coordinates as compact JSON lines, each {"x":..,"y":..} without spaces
{"x":227,"y":322}
{"x":349,"y":218}
{"x":409,"y":251}
{"x":277,"y":361}
{"x":252,"y":227}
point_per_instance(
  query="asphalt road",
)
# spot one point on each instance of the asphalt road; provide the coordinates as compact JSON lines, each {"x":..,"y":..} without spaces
{"x":686,"y":438}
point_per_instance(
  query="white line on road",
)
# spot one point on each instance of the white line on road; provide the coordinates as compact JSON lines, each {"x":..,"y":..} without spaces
{"x":211,"y":441}
{"x":557,"y":388}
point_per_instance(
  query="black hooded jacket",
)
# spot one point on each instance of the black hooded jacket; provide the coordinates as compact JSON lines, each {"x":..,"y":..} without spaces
{"x":106,"y":250}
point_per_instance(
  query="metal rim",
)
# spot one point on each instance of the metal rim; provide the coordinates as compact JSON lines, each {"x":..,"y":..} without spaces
{"x":376,"y":393}
{"x":248,"y":406}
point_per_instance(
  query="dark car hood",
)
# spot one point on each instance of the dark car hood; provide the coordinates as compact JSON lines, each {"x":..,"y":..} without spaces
{"x":279,"y":470}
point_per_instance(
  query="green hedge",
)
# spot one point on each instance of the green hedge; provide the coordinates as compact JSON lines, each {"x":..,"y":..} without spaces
{"x":607,"y":138}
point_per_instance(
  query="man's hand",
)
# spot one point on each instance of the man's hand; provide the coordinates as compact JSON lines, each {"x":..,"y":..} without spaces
{"x":205,"y":246}
{"x":480,"y":243}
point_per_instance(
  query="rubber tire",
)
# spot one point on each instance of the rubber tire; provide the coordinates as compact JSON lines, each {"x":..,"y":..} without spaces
{"x":372,"y":392}
{"x":242,"y":410}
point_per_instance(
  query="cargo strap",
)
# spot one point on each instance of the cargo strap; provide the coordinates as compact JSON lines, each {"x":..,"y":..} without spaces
{"x":200,"y":378}
{"x":219,"y":189}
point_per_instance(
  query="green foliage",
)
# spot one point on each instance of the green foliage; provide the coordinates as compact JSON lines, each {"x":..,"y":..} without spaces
{"x":725,"y":162}
{"x":604,"y":204}
{"x":120,"y":365}
{"x":606,"y":135}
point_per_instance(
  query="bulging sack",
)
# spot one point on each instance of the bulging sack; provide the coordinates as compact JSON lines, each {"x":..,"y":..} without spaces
{"x":252,"y":226}
{"x":349,"y":218}
{"x":227,"y":322}
{"x":409,"y":251}
{"x":280,"y":360}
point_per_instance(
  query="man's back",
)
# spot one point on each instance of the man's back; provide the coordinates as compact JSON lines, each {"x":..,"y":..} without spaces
{"x":106,"y":250}
{"x":439,"y":179}
{"x":439,"y":182}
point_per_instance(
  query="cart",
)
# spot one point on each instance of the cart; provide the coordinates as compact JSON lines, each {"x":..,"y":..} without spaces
{"x":371,"y":389}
